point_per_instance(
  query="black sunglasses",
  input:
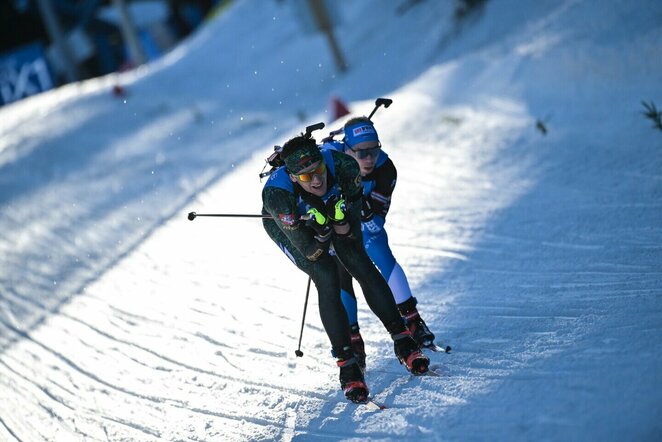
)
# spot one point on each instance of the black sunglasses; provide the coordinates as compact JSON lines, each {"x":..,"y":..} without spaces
{"x":364,"y":153}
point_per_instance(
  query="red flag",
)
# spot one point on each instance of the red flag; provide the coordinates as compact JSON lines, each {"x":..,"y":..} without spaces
{"x":338,"y":108}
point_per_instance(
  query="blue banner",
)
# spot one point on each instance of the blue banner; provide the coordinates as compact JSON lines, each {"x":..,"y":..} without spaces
{"x":23,"y":72}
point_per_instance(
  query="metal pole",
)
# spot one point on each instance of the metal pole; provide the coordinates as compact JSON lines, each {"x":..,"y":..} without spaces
{"x":193,"y":215}
{"x":298,"y":351}
{"x":324,"y":24}
{"x":59,"y":41}
{"x":129,"y":33}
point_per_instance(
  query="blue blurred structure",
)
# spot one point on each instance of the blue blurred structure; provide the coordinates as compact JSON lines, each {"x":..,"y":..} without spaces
{"x":24,"y":72}
{"x":31,"y":60}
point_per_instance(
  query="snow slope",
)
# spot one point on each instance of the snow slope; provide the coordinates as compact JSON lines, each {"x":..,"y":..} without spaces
{"x":537,"y":257}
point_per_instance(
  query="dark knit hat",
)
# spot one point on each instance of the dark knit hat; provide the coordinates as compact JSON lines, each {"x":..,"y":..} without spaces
{"x":299,"y":153}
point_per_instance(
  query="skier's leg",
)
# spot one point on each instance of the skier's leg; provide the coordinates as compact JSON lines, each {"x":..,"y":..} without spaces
{"x":377,"y":293}
{"x":351,"y":252}
{"x":377,"y":247}
{"x":347,"y":293}
{"x":379,"y":251}
{"x":349,"y":301}
{"x":323,"y":273}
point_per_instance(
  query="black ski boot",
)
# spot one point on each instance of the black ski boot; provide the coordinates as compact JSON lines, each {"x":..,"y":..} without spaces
{"x":351,"y":380}
{"x":358,"y":346}
{"x":409,"y":353}
{"x":415,"y":324}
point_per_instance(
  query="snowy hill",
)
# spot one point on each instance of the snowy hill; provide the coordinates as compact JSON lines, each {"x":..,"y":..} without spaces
{"x":537,"y":256}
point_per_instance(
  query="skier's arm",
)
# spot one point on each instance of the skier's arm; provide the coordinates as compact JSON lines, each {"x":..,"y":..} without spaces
{"x":282,"y":206}
{"x":348,"y":175}
{"x":380,"y":196}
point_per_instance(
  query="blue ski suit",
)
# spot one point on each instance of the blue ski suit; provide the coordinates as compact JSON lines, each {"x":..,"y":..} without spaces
{"x":378,"y":188}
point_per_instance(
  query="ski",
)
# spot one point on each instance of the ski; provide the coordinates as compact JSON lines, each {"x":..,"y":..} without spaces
{"x":374,"y":406}
{"x":434,"y":347}
{"x":433,"y":373}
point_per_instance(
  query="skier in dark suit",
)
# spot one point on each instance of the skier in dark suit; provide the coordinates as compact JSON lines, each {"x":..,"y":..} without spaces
{"x":315,"y":204}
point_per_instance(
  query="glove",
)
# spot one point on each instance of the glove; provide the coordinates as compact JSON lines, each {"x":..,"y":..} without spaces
{"x":366,"y":210}
{"x":320,"y":224}
{"x":336,"y":210}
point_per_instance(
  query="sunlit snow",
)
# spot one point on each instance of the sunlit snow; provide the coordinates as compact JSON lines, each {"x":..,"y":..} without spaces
{"x":536,"y":256}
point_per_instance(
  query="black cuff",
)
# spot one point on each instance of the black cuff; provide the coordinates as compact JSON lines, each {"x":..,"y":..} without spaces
{"x":408,"y":306}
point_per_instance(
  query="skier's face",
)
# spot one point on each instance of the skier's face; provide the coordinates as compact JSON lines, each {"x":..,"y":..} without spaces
{"x":365,"y":154}
{"x":312,"y":179}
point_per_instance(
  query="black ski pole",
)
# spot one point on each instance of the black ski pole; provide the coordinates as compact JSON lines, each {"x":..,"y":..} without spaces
{"x":298,"y":351}
{"x":193,"y":215}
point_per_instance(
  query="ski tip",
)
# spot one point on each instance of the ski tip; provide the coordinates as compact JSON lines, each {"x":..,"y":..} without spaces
{"x":436,"y":348}
{"x":374,"y":406}
{"x":435,"y":373}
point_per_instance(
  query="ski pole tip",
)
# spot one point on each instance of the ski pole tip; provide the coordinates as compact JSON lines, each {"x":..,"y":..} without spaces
{"x":299,"y":353}
{"x":191,"y":216}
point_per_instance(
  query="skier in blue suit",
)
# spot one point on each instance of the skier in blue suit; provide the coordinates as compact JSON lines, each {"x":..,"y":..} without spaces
{"x":379,"y":176}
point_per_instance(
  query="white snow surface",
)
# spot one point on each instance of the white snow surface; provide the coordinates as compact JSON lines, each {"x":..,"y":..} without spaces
{"x":537,"y":257}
